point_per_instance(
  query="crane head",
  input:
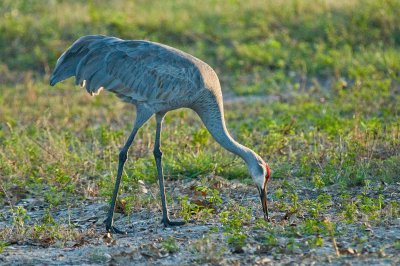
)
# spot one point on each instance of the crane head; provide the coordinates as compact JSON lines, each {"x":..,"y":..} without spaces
{"x":261,"y":177}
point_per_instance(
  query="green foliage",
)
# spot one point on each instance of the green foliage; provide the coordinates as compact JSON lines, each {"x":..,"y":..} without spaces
{"x":211,"y":195}
{"x":313,"y":226}
{"x":2,"y":246}
{"x":188,"y":209}
{"x":350,"y":211}
{"x":233,"y":221}
{"x":316,"y":242}
{"x":270,"y":240}
{"x":170,"y":245}
{"x":204,"y":207}
{"x":317,"y":207}
{"x":397,"y":245}
{"x":207,"y":250}
{"x":45,"y":232}
{"x":48,"y":218}
{"x":19,"y":218}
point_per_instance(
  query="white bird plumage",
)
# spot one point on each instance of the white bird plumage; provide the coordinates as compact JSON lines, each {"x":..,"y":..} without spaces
{"x":155,"y":78}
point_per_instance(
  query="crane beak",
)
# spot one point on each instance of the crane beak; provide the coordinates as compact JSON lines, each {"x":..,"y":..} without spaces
{"x":263,"y":197}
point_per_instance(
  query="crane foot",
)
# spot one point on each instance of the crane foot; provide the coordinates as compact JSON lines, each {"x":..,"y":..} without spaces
{"x":114,"y":230}
{"x":169,"y":223}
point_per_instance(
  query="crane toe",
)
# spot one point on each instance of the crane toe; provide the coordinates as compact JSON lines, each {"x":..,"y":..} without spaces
{"x":114,"y":230}
{"x":169,"y":223}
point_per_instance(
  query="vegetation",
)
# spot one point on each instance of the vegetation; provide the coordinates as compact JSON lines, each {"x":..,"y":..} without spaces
{"x":313,"y":86}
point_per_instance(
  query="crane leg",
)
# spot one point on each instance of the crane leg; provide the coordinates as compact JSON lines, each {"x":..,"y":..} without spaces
{"x":141,"y":118}
{"x":158,"y":157}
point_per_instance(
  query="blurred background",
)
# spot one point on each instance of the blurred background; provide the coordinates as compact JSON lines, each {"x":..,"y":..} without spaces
{"x":256,"y":47}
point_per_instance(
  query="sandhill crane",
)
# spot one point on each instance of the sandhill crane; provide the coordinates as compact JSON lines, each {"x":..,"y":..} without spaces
{"x":155,"y":78}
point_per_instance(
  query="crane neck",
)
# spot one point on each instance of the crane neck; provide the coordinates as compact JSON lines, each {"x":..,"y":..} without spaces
{"x":229,"y":143}
{"x":212,"y":115}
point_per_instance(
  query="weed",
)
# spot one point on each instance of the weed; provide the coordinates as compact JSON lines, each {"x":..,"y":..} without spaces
{"x":295,"y":202}
{"x":19,"y":217}
{"x":233,"y":221}
{"x":270,"y":240}
{"x":318,"y":181}
{"x":278,"y":194}
{"x":331,"y":230}
{"x":170,"y":245}
{"x":313,"y":227}
{"x":316,"y":241}
{"x":47,"y":218}
{"x":207,"y":251}
{"x":211,"y":195}
{"x":204,"y":207}
{"x":188,"y":209}
{"x":292,"y":245}
{"x":350,"y":211}
{"x":396,"y":245}
{"x":45,"y":233}
{"x":191,"y":210}
{"x":3,"y":245}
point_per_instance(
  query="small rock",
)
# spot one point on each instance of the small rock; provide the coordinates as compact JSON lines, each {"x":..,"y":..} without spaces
{"x":107,"y":256}
{"x":108,"y":239}
{"x":347,"y":251}
{"x":262,"y":261}
{"x":150,"y":251}
{"x":142,"y":187}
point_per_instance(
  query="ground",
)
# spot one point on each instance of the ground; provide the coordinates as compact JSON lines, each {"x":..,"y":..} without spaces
{"x":285,"y":240}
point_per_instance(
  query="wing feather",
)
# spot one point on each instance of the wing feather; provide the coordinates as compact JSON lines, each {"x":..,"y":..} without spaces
{"x":136,"y":70}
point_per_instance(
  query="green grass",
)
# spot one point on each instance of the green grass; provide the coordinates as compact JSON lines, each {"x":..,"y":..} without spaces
{"x":326,"y":115}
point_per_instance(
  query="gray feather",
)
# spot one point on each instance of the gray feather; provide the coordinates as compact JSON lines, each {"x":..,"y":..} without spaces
{"x":134,"y":70}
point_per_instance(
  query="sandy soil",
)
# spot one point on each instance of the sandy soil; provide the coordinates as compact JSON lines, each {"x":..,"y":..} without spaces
{"x":199,"y":242}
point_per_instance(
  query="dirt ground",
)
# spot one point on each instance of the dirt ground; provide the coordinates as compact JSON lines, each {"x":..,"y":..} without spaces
{"x":198,"y":242}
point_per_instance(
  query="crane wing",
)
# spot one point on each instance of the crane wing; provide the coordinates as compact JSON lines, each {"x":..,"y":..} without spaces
{"x":134,"y":70}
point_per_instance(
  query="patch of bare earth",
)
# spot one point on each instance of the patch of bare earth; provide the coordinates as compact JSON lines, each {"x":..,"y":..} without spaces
{"x":203,"y":241}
